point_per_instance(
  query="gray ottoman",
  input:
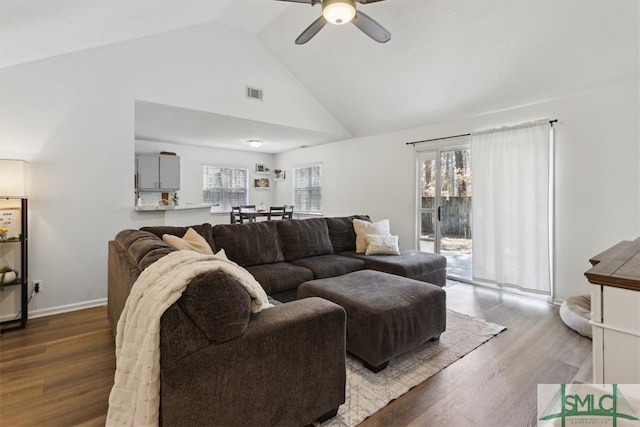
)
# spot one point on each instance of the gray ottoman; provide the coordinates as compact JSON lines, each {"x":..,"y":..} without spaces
{"x":387,"y":315}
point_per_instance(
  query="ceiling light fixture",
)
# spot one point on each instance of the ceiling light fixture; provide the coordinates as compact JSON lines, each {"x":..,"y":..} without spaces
{"x":338,"y":11}
{"x":255,"y":143}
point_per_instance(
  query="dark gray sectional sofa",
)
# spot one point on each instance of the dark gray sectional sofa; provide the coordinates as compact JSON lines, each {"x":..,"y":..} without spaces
{"x":222,"y":365}
{"x":281,"y":255}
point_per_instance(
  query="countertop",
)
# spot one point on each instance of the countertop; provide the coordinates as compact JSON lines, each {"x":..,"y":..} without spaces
{"x":186,"y":207}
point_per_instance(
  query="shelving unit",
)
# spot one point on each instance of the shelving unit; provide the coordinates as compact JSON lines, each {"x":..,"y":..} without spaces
{"x":22,"y":281}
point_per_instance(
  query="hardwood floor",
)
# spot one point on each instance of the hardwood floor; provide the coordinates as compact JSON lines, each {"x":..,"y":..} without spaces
{"x":59,"y":371}
{"x":496,"y":384}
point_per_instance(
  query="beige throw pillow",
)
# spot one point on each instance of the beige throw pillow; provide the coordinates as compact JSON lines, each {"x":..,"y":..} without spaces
{"x":362,"y":228}
{"x":191,"y":241}
{"x":382,"y":245}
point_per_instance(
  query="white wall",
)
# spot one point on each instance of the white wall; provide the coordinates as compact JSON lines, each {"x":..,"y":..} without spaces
{"x":597,"y":174}
{"x":72,"y":118}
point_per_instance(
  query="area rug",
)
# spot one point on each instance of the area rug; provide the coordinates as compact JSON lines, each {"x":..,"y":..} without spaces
{"x":367,"y":393}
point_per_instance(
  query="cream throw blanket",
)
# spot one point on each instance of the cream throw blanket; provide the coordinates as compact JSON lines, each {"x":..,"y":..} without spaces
{"x":135,"y":396}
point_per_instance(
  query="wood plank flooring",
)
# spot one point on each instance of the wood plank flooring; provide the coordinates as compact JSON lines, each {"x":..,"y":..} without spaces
{"x":59,"y":371}
{"x":496,"y":384}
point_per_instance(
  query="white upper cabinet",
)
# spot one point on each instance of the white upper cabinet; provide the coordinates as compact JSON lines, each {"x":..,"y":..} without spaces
{"x":157,"y":172}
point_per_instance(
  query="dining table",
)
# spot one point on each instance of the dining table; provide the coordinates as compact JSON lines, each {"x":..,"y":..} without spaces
{"x":253,"y":215}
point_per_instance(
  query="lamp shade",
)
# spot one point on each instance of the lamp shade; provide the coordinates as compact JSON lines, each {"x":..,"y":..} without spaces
{"x":13,"y":176}
{"x":338,"y":11}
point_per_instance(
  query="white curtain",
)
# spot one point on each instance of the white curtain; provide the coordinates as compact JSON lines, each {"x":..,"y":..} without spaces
{"x":511,"y":206}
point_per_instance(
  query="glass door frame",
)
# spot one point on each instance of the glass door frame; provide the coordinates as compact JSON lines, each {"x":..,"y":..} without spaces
{"x":434,"y":152}
{"x":431,"y":154}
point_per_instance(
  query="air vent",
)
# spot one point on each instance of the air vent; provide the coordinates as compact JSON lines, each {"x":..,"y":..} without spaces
{"x":254,"y":93}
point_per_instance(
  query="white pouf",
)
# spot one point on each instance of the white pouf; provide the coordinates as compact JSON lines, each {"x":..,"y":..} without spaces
{"x":575,"y":312}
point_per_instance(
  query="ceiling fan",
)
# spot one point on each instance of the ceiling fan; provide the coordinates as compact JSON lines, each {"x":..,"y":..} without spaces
{"x":340,"y":12}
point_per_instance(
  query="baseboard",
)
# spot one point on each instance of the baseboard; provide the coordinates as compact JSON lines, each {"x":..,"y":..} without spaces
{"x":66,"y":308}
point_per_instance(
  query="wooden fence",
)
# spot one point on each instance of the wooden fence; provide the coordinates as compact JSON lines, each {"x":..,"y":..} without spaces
{"x":456,"y":218}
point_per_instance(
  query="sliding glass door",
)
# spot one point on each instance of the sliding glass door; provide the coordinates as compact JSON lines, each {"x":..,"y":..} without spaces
{"x":444,"y":206}
{"x":428,"y":237}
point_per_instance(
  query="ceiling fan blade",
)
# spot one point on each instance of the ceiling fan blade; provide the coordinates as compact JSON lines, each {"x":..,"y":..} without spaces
{"x":370,"y":27}
{"x":367,"y":1}
{"x":311,"y":31}
{"x":311,"y":2}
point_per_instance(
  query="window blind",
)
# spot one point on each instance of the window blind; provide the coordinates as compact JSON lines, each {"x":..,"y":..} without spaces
{"x":224,"y":187}
{"x":307,"y":188}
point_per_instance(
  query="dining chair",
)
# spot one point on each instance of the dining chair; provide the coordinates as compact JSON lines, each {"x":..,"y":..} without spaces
{"x":288,"y":212}
{"x":244,"y":216}
{"x":276,"y":212}
{"x":236,"y":215}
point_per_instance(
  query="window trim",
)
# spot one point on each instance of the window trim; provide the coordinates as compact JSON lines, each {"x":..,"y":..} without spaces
{"x":298,"y":206}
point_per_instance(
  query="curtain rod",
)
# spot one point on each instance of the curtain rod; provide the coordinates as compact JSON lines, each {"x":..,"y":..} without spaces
{"x":551,"y":122}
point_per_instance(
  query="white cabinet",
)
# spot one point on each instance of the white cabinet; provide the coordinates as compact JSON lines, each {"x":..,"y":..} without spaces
{"x":616,"y":335}
{"x":615,"y":314}
{"x":157,"y":172}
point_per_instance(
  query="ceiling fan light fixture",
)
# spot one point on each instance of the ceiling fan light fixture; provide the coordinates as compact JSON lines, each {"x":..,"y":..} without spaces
{"x":255,"y":143}
{"x":338,"y":12}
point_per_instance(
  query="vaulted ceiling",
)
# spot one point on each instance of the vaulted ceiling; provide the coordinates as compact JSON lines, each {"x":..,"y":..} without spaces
{"x":446,"y":58}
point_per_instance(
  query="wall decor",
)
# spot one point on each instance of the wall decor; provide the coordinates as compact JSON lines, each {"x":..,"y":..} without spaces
{"x":261,"y":183}
{"x":260,"y":168}
{"x":280,"y":174}
{"x":10,"y":219}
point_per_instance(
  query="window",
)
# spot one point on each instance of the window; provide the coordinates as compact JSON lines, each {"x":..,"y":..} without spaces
{"x":307,"y":188}
{"x":225,"y":187}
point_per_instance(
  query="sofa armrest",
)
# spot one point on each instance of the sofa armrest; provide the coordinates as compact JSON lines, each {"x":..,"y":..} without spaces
{"x":287,"y":369}
{"x":122,"y":272}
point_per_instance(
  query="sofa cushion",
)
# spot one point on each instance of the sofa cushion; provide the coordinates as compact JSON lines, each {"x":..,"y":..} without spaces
{"x":304,"y":238}
{"x":205,"y":230}
{"x":191,"y":241}
{"x":154,"y":255}
{"x":218,"y":305}
{"x":250,"y":244}
{"x":144,"y":247}
{"x":280,"y":276}
{"x":423,"y":266}
{"x":324,"y":266}
{"x":341,"y":232}
{"x":362,"y":228}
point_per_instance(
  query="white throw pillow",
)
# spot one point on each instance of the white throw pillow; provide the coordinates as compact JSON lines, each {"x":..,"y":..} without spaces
{"x":382,"y":245}
{"x":362,"y":228}
{"x":191,"y":241}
